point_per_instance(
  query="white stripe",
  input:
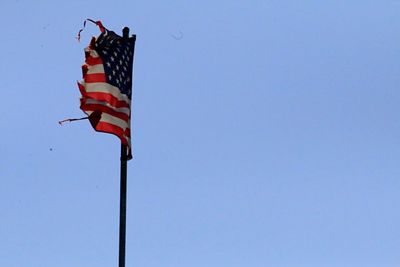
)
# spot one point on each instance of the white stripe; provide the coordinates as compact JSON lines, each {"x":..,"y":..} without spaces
{"x":105,"y":88}
{"x":92,"y":52}
{"x":95,"y":69}
{"x":96,"y":102}
{"x":128,"y":141}
{"x":114,"y":120}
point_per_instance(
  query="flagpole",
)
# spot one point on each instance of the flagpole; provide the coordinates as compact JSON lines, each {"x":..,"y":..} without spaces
{"x":122,"y":207}
{"x":122,"y":203}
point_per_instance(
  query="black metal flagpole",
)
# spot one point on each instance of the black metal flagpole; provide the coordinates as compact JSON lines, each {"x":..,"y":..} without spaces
{"x":122,"y":207}
{"x":122,"y":203}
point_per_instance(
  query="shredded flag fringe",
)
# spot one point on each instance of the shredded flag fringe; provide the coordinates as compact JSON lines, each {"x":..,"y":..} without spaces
{"x":98,"y":23}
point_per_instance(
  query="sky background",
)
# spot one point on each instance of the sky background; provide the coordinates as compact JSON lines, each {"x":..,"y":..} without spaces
{"x":265,"y":133}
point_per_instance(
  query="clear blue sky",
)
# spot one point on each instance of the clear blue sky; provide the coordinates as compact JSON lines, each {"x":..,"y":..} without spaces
{"x":267,"y":135}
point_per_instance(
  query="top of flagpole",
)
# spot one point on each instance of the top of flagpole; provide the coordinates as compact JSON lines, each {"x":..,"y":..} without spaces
{"x":125,"y":32}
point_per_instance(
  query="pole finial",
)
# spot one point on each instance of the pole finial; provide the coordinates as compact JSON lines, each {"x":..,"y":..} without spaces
{"x":125,"y":32}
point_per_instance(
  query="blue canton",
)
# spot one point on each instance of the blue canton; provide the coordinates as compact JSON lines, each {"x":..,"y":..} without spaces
{"x":117,"y":56}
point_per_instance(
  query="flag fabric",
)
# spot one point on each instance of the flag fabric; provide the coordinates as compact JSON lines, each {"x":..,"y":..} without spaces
{"x":106,"y":87}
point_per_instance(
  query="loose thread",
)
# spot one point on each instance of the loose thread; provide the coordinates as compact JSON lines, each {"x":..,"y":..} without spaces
{"x":69,"y":120}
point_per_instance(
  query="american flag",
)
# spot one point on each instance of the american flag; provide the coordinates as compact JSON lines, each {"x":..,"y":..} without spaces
{"x":106,"y":87}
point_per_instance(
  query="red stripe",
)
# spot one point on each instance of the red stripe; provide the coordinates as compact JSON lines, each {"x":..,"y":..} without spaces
{"x":128,"y":132}
{"x":105,"y":97}
{"x":84,"y":70}
{"x":105,"y":109}
{"x":112,"y":129}
{"x":95,"y":78}
{"x":81,"y":89}
{"x":93,"y":60}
